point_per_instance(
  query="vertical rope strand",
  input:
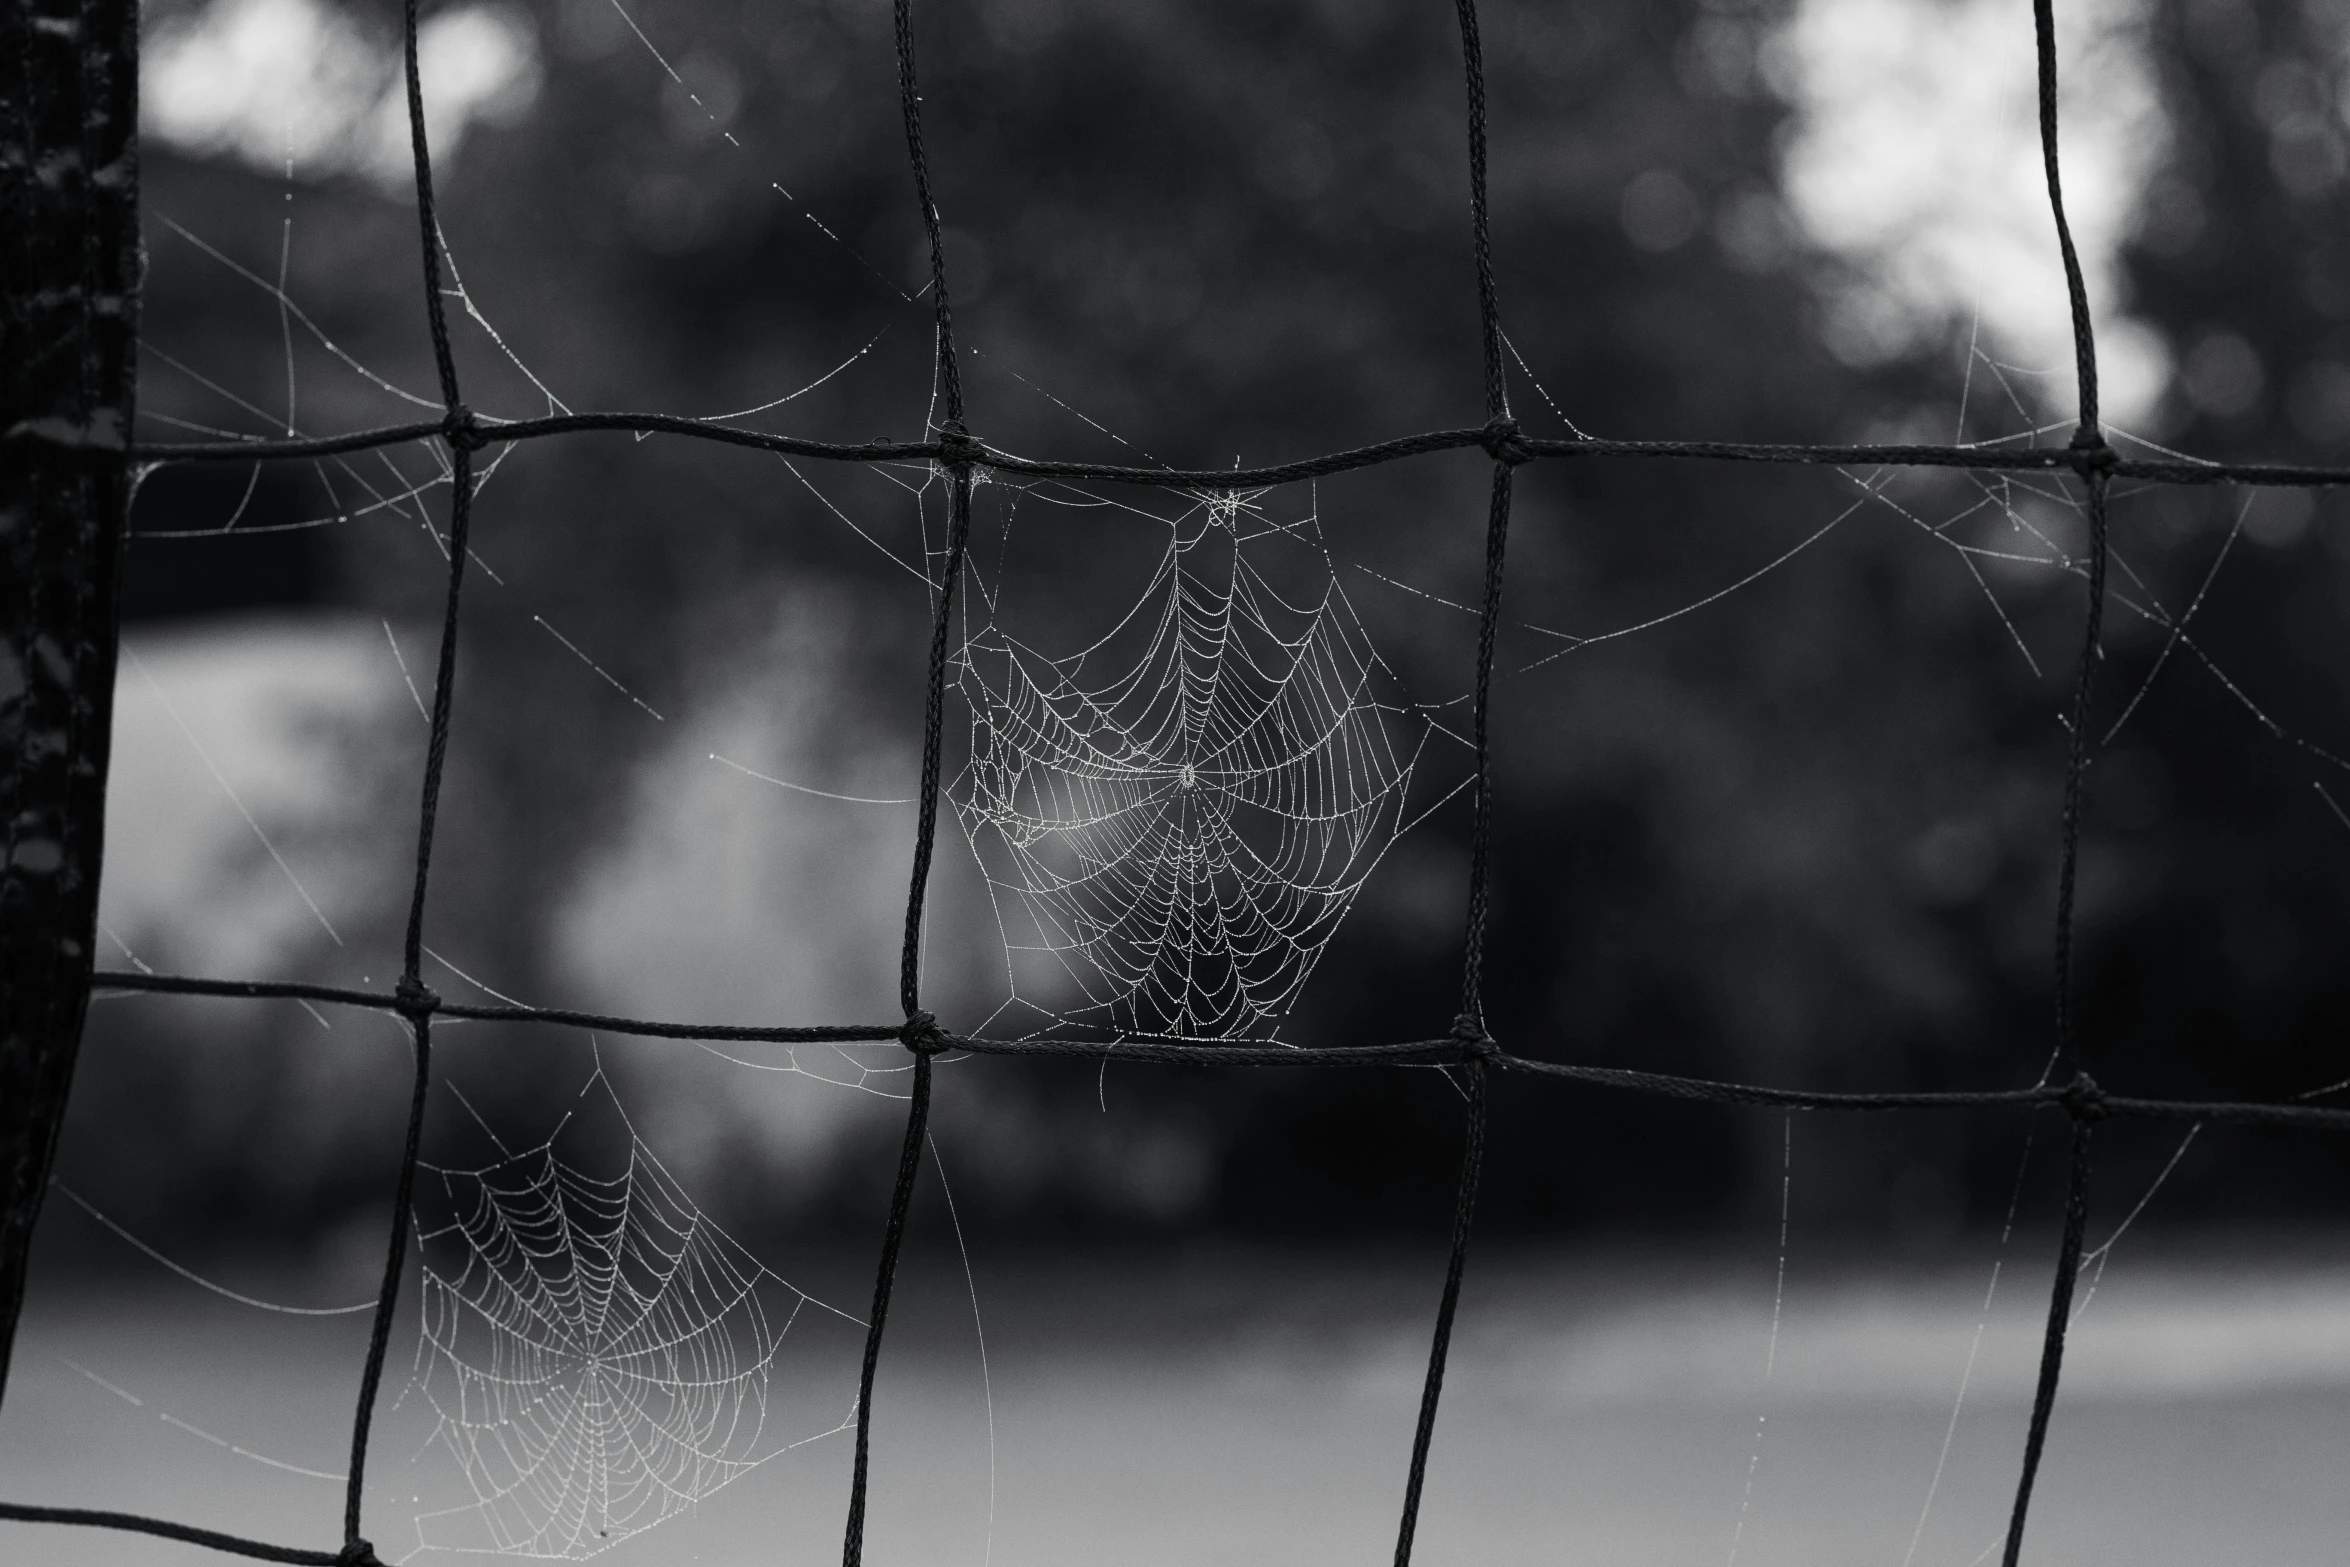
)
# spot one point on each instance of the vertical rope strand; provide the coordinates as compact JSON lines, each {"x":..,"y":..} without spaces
{"x":1497,"y":397}
{"x":1463,"y":1218}
{"x":921,"y":1033}
{"x":2068,"y":1057}
{"x":444,"y":690}
{"x":463,"y":442}
{"x":428,"y":226}
{"x":355,"y":1548}
{"x":2060,"y":1310}
{"x":2084,"y":341}
{"x":1472,"y":1019}
{"x":933,"y":739}
{"x":418,"y":1002}
{"x":958,"y":524}
{"x":950,"y":374}
{"x":1508,"y":449}
{"x":852,"y":1549}
{"x":2094,"y":460}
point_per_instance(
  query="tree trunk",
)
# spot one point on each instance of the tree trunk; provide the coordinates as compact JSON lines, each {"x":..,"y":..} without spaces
{"x":69,"y":260}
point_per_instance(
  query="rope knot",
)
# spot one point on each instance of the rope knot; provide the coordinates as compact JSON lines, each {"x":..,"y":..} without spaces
{"x":416,"y":999}
{"x":1501,"y":439}
{"x":1468,"y":1031}
{"x":462,"y":430}
{"x":956,"y":447}
{"x":2084,"y":1101}
{"x":357,"y":1553}
{"x":2090,"y":453}
{"x":922,"y":1035}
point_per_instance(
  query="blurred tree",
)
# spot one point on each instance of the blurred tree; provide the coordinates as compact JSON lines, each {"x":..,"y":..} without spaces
{"x":1805,"y":833}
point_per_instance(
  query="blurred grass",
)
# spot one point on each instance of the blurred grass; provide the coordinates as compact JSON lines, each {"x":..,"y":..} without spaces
{"x":1225,"y":1405}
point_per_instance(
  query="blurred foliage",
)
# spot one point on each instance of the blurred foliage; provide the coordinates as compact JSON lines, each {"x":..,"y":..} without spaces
{"x":1805,"y":833}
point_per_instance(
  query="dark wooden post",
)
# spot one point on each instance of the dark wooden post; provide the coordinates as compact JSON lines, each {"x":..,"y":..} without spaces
{"x":69,"y":260}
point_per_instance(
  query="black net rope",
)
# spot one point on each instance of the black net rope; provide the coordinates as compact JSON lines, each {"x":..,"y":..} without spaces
{"x":1467,"y":1052}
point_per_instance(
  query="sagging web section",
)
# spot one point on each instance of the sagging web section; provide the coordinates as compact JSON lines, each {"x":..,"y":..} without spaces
{"x":1173,"y":816}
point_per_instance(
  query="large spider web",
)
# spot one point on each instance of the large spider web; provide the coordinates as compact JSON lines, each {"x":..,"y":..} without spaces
{"x":1174,"y":818}
{"x":596,"y":1352}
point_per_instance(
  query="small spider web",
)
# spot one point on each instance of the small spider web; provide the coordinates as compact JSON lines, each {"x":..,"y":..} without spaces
{"x":1174,"y":819}
{"x":596,"y":1352}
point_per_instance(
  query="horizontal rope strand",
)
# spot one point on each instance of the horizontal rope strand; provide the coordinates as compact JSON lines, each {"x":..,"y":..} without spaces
{"x":1986,"y":459}
{"x":164,"y":1528}
{"x":1448,"y":1050}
